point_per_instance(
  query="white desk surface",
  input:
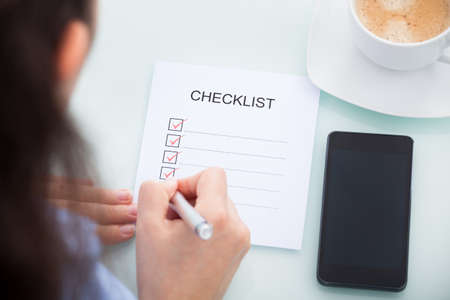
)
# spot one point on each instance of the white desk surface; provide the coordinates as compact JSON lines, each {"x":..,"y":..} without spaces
{"x":267,"y":35}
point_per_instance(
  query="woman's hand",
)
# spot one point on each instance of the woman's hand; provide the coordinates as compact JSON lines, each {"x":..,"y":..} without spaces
{"x":112,"y":211}
{"x":172,"y":262}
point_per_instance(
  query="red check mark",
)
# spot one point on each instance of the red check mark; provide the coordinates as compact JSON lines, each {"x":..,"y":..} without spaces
{"x":172,"y":157}
{"x":175,"y":126}
{"x":167,"y":175}
{"x":175,"y":141}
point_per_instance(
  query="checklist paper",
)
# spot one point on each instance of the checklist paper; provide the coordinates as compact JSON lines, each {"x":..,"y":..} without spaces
{"x":259,"y":127}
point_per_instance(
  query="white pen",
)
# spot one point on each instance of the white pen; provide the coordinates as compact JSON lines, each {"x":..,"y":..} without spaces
{"x":184,"y":209}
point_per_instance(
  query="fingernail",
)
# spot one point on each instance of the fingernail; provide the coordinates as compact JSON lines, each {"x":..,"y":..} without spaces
{"x":132,"y":210}
{"x":124,"y":195}
{"x":127,"y":230}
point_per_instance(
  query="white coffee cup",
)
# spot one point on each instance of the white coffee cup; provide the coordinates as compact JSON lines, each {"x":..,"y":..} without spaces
{"x":398,"y":56}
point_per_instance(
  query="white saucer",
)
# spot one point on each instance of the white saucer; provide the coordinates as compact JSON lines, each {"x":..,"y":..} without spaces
{"x":336,"y":66}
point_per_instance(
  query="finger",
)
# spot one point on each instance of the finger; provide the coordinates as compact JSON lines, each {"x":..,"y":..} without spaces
{"x":188,"y":186}
{"x":210,"y":186}
{"x":103,"y":214}
{"x":211,"y":189}
{"x":154,"y":198}
{"x":114,"y":234}
{"x":212,"y":180}
{"x":85,"y":193}
{"x":67,"y":180}
{"x":171,"y":214}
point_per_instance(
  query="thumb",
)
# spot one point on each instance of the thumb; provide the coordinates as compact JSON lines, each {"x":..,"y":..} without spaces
{"x":154,"y":198}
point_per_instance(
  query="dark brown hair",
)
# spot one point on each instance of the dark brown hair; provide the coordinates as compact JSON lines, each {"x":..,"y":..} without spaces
{"x":35,"y":135}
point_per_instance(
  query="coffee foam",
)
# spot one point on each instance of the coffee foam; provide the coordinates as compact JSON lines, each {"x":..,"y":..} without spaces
{"x":397,"y":5}
{"x":405,"y":21}
{"x":397,"y":30}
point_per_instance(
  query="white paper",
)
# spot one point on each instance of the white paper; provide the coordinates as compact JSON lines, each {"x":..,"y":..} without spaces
{"x":264,"y":143}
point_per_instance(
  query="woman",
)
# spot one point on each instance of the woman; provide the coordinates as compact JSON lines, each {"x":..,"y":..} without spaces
{"x":48,"y":253}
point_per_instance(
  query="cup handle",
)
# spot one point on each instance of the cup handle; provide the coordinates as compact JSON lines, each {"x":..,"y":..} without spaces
{"x":445,"y":58}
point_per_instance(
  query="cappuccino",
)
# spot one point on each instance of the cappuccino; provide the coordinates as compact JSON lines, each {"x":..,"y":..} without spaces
{"x":404,"y":21}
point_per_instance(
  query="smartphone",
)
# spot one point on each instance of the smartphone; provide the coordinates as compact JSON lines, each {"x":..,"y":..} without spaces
{"x":364,"y":235}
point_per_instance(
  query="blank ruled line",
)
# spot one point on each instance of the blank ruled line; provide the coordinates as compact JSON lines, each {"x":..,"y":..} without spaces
{"x":252,"y":189}
{"x":235,"y":153}
{"x":236,"y":137}
{"x":258,"y":206}
{"x":233,"y":170}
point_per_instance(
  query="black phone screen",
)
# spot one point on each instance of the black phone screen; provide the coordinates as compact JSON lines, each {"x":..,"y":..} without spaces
{"x":366,"y":211}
